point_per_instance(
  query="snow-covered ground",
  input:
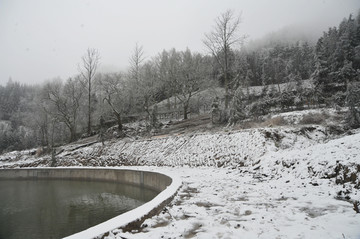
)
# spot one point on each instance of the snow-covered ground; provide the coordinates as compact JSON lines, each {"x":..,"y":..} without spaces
{"x":286,"y":195}
{"x":281,"y":182}
{"x":227,"y":203}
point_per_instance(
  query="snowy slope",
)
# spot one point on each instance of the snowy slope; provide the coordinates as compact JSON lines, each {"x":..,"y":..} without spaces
{"x":283,"y":198}
{"x":284,"y":182}
{"x":235,"y":148}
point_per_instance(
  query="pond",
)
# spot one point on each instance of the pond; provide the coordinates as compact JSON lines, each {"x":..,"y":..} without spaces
{"x":59,"y":208}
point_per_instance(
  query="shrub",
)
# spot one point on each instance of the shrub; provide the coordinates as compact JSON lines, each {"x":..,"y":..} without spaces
{"x":287,"y":99}
{"x":238,"y":107}
{"x":313,"y":118}
{"x":276,"y":121}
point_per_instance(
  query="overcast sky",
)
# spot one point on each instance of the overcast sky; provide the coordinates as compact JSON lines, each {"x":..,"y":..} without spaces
{"x":43,"y":39}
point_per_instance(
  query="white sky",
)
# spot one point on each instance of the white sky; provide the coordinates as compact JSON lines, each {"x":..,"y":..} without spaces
{"x":43,"y":39}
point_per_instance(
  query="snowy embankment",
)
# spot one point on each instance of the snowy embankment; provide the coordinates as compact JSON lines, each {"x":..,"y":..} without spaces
{"x":285,"y":182}
{"x":233,"y":148}
{"x":289,"y":193}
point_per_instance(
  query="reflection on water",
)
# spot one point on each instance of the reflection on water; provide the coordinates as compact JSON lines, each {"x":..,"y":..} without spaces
{"x":58,"y":208}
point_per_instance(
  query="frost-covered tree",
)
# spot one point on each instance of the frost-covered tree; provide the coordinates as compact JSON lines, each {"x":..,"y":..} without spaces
{"x":337,"y":59}
{"x":113,"y":87}
{"x":220,"y":40}
{"x":136,"y":61}
{"x":238,"y":106}
{"x":150,"y":86}
{"x":64,"y":101}
{"x":143,"y":80}
{"x":184,"y":73}
{"x":353,"y":102}
{"x":10,"y":97}
{"x":190,"y":78}
{"x":135,"y":76}
{"x":88,"y":68}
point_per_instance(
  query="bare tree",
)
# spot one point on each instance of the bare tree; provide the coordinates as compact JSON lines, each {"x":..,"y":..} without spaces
{"x":168,"y":69}
{"x":73,"y":94}
{"x":190,"y":79}
{"x":184,"y":75}
{"x":219,"y":42}
{"x":143,"y":77}
{"x":149,"y":86}
{"x":64,"y":102}
{"x":113,"y":87}
{"x":90,"y":63}
{"x":37,"y":117}
{"x":136,"y":60}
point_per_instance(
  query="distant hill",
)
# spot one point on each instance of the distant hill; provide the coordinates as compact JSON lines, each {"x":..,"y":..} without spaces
{"x":287,"y":35}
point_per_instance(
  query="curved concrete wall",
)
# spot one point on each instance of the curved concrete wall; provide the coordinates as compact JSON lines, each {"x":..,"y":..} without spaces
{"x":166,"y":185}
{"x":152,"y":180}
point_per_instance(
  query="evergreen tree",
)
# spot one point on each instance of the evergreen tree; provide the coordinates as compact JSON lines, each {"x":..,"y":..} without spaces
{"x":338,"y":60}
{"x":238,"y":106}
{"x":353,"y":102}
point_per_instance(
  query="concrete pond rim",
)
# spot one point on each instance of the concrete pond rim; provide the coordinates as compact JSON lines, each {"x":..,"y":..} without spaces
{"x":166,"y":184}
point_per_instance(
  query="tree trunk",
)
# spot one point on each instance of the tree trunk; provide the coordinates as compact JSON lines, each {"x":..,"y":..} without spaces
{"x":72,"y":133}
{"x":168,"y":103}
{"x":147,"y":110}
{"x":118,"y":118}
{"x":89,"y":109}
{"x":226,"y":97}
{"x":186,"y":107}
{"x":44,"y":136}
{"x":226,"y":76}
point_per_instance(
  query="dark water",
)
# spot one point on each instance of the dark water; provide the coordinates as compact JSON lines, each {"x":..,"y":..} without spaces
{"x":59,"y":208}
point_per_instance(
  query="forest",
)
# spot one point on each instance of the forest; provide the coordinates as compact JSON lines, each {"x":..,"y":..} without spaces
{"x":278,"y":76}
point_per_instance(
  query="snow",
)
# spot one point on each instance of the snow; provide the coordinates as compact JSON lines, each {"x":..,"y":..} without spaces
{"x":273,"y":201}
{"x":227,"y":203}
{"x":192,"y":150}
{"x":281,"y":182}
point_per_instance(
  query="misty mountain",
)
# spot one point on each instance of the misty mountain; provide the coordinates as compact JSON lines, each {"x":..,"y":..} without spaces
{"x":288,"y":35}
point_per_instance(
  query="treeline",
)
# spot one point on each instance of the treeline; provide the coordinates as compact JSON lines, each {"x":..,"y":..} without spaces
{"x":60,"y":111}
{"x":279,"y":64}
{"x":333,"y":65}
{"x":338,"y":60}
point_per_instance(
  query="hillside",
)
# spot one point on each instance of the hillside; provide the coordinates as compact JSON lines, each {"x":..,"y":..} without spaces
{"x":202,"y":100}
{"x":293,"y":180}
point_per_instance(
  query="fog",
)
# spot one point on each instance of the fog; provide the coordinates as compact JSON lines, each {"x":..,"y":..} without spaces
{"x":43,"y":39}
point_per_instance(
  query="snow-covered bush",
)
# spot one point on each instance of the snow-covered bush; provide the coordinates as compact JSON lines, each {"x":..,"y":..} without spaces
{"x":286,"y":99}
{"x":337,"y":99}
{"x":238,"y":107}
